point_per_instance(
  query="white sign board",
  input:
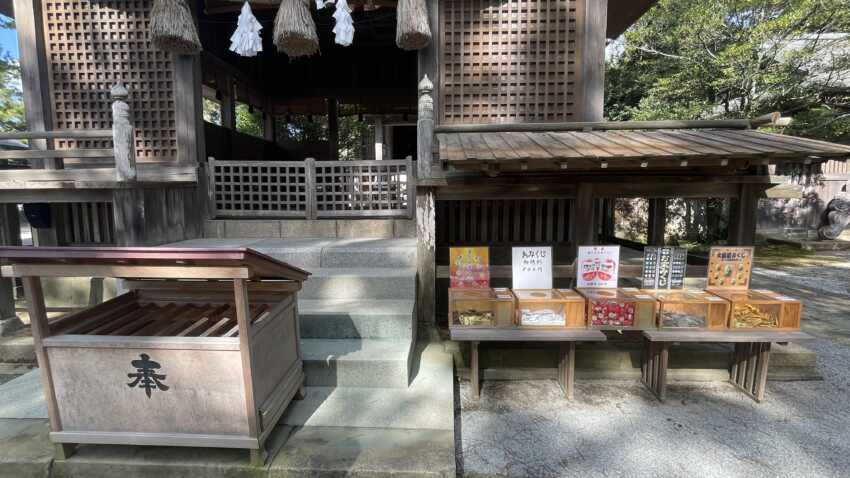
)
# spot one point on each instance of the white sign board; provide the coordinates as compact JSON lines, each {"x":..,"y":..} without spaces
{"x":598,"y":266}
{"x":532,"y":267}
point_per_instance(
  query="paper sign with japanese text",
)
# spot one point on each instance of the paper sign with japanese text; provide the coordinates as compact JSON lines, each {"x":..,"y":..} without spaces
{"x":469,"y":267}
{"x":664,"y":267}
{"x":532,"y":267}
{"x":730,"y":267}
{"x":598,"y":266}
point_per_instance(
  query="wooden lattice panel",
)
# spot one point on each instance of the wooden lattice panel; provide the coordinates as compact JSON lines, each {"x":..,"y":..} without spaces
{"x":91,"y":45}
{"x":259,"y":188}
{"x":508,"y":61}
{"x":362,"y":188}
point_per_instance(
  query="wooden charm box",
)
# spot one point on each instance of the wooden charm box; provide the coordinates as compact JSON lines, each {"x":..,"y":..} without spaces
{"x":690,"y":309}
{"x":481,"y":308}
{"x":212,"y":361}
{"x":619,"y":309}
{"x":761,"y":309}
{"x":549,"y":308}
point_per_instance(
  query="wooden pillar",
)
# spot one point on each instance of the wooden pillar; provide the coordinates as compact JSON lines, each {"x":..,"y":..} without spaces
{"x":582,"y":218}
{"x":607,"y":218}
{"x":128,"y":201}
{"x":34,"y":77}
{"x":379,"y":138}
{"x":228,"y":103}
{"x":268,"y":126}
{"x":10,"y":235}
{"x":333,"y":129}
{"x":742,"y":223}
{"x":657,"y":221}
{"x":426,"y":240}
{"x":592,"y":22}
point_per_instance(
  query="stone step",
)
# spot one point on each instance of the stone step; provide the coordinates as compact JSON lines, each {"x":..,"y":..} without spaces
{"x":17,"y":349}
{"x":356,"y":362}
{"x":315,"y":253}
{"x":426,"y":404}
{"x":360,"y":283}
{"x":356,"y":318}
{"x":325,"y":452}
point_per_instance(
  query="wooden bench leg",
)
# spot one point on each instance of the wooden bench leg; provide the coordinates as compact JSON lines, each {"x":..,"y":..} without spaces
{"x":654,"y":368}
{"x":567,"y":369}
{"x":473,"y":370}
{"x":749,"y":368}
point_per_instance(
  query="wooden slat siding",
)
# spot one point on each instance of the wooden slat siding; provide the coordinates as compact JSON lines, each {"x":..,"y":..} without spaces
{"x":835,"y":167}
{"x":86,"y":224}
{"x":499,"y":221}
{"x":504,"y":62}
{"x":583,"y":148}
{"x":82,"y":67}
{"x":675,"y":140}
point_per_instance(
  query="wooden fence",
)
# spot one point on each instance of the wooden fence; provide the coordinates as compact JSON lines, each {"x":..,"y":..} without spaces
{"x":312,"y":189}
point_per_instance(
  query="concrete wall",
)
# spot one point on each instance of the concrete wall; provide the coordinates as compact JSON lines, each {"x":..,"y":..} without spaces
{"x":312,"y":229}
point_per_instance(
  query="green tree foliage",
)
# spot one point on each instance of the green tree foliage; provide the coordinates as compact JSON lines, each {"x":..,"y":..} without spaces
{"x":11,"y":98}
{"x":696,"y":59}
{"x":248,"y":120}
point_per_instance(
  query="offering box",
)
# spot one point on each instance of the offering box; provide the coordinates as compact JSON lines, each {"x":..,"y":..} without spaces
{"x":690,"y":309}
{"x":760,"y":309}
{"x":621,"y":308}
{"x":481,"y":308}
{"x":549,"y":308}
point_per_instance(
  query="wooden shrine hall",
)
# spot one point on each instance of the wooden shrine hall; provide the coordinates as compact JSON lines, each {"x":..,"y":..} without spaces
{"x":487,"y":130}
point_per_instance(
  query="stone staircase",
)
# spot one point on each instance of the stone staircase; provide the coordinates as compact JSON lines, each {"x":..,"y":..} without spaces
{"x":366,"y":378}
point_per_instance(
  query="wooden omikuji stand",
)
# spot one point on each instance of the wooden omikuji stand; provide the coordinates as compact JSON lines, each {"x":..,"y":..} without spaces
{"x":201,"y":351}
{"x":567,"y":350}
{"x":750,"y":360}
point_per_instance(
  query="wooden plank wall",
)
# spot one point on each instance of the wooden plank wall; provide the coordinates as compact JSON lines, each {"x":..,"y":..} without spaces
{"x":502,"y":221}
{"x":508,"y":61}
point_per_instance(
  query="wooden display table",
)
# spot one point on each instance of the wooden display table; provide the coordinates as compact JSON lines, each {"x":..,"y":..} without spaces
{"x":212,"y":361}
{"x":566,"y":337}
{"x":749,"y":363}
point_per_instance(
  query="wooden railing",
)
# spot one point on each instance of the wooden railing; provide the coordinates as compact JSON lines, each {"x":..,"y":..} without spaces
{"x":312,"y":189}
{"x":120,"y":157}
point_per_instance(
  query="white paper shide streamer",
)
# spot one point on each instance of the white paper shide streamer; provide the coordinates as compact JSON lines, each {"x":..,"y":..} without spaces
{"x":246,"y":40}
{"x":344,"y":28}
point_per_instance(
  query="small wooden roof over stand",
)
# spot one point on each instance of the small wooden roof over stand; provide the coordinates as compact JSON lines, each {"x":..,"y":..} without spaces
{"x":145,"y":263}
{"x":193,"y":314}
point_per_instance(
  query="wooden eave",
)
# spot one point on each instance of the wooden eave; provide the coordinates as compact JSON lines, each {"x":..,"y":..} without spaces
{"x":149,"y":175}
{"x":146,"y":263}
{"x":628,"y":149}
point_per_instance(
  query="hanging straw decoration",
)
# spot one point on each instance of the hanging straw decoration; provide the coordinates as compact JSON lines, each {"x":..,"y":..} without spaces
{"x":246,"y":40}
{"x":412,"y":30}
{"x":172,"y":27}
{"x":344,"y":28}
{"x":295,"y":30}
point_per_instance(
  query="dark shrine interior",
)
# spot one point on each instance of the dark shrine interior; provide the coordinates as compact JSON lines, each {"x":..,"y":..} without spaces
{"x":371,"y":77}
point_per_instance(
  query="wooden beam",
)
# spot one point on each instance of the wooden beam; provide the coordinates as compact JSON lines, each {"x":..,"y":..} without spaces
{"x":591,"y":62}
{"x":593,"y":126}
{"x":59,"y":134}
{"x":188,"y":104}
{"x":583,"y":218}
{"x":744,"y":212}
{"x":567,"y":271}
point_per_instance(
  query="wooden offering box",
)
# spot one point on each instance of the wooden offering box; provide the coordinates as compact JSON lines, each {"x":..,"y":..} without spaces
{"x":481,"y":308}
{"x":690,"y":309}
{"x":208,"y":362}
{"x":761,"y":309}
{"x":619,"y":309}
{"x":548,"y":308}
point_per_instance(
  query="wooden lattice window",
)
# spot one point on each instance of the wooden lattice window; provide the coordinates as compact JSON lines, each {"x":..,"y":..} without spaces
{"x":91,"y":45}
{"x":260,"y":188}
{"x":357,"y":188}
{"x":508,"y":61}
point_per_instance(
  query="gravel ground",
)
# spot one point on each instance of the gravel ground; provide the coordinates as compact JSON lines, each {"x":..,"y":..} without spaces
{"x":618,"y":429}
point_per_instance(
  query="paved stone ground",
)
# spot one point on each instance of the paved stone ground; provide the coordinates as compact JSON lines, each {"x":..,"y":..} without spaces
{"x":618,"y":429}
